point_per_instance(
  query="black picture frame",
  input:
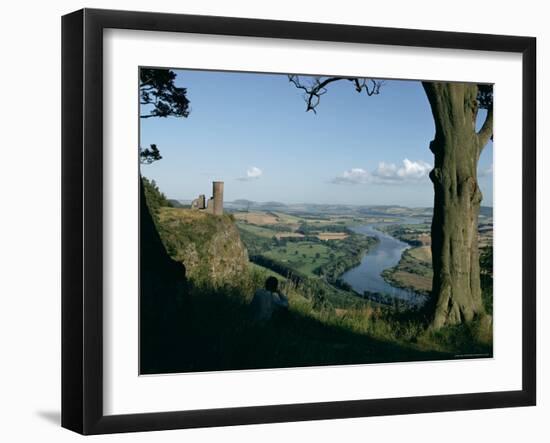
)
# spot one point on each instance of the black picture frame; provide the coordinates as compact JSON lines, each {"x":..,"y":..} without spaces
{"x":82,"y":218}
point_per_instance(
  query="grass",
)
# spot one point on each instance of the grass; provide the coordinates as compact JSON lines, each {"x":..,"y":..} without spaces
{"x":422,"y":254}
{"x":332,"y":235}
{"x":414,"y":271}
{"x":293,"y":221}
{"x":208,"y":245}
{"x":257,"y":218}
{"x":288,"y":219}
{"x":409,"y":280}
{"x":260,"y":231}
{"x":266,"y":231}
{"x":289,"y":235}
{"x":215,"y":331}
{"x":266,"y":272}
{"x":466,"y":340}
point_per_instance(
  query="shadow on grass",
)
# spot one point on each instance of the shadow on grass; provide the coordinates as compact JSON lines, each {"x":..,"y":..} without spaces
{"x":212,"y":330}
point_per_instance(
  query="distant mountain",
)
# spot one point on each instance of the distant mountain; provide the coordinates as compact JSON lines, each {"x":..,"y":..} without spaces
{"x":254,"y":206}
{"x":273,"y":205}
{"x":400,"y":211}
{"x":323,"y":208}
{"x":241,"y":202}
{"x":327,"y":209}
{"x":176,"y":203}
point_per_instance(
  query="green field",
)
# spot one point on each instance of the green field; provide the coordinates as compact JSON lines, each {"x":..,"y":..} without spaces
{"x":260,"y":231}
{"x":288,"y":219}
{"x":304,"y":256}
{"x":303,"y":249}
{"x":296,"y":245}
{"x":414,"y":270}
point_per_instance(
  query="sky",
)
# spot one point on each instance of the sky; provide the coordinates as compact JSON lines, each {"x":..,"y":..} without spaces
{"x":252,"y":132}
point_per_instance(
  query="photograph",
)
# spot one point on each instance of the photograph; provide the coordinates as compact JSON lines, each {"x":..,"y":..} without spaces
{"x":291,"y":220}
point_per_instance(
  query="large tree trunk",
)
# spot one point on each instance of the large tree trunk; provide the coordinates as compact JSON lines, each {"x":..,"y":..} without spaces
{"x":456,"y":291}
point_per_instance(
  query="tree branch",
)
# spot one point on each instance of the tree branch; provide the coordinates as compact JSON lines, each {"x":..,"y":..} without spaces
{"x":316,"y":87}
{"x":486,"y":131}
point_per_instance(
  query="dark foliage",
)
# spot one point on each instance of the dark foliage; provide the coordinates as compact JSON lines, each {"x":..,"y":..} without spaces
{"x":486,"y":276}
{"x":162,"y":98}
{"x":157,"y":89}
{"x":485,"y":96}
{"x":149,"y":155}
{"x":154,"y":198}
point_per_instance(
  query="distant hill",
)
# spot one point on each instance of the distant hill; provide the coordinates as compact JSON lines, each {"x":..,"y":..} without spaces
{"x":253,"y":205}
{"x":271,"y":205}
{"x":241,"y":202}
{"x":177,"y":203}
{"x":341,"y":209}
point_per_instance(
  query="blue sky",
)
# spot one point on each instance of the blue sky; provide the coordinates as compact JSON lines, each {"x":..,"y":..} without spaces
{"x":252,"y":132}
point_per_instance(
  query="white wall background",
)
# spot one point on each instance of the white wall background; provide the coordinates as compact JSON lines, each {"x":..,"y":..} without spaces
{"x":30,"y":219}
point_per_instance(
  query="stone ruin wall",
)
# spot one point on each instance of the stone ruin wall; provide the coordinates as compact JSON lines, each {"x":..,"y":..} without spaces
{"x":214,"y":205}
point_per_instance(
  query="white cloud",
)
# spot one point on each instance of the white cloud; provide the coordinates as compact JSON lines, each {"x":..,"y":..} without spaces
{"x":487,"y":172}
{"x":387,"y":173}
{"x":252,"y":173}
{"x":353,"y":176}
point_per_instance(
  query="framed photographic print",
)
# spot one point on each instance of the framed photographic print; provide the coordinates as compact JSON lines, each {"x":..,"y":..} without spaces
{"x":269,"y":221}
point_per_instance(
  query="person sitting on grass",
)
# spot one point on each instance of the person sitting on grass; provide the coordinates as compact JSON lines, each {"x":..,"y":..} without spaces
{"x":267,"y":301}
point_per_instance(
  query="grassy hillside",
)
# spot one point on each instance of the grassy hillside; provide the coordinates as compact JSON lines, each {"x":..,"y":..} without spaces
{"x":216,"y":332}
{"x":209,"y":246}
{"x":203,"y":322}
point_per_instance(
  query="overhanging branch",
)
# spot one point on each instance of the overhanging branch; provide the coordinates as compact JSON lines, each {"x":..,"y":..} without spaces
{"x":315,"y":87}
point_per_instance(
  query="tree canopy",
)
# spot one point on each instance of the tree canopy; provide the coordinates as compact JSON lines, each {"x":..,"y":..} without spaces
{"x":157,"y":88}
{"x":161,"y":98}
{"x":149,"y":155}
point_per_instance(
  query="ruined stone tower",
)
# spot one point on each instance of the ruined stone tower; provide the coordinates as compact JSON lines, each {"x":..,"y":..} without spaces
{"x":217,"y":197}
{"x":215,"y":203}
{"x":199,"y":203}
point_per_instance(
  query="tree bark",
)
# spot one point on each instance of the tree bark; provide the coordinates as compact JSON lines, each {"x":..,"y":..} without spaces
{"x":456,"y":291}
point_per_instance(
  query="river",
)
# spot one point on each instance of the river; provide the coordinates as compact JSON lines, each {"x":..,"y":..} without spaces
{"x":386,"y":254}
